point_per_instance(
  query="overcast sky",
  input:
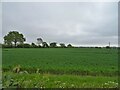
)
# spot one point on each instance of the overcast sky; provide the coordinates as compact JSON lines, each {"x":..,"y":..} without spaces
{"x":78,"y":23}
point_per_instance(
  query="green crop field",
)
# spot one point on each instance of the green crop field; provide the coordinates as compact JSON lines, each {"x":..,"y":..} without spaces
{"x":73,"y":67}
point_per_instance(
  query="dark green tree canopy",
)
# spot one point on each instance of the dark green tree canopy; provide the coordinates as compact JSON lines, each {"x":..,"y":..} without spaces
{"x":62,"y":45}
{"x":44,"y":44}
{"x":53,"y":44}
{"x":69,"y":45}
{"x":14,"y":37}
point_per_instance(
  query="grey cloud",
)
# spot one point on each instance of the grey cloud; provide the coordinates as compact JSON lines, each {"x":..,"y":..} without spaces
{"x":76,"y":23}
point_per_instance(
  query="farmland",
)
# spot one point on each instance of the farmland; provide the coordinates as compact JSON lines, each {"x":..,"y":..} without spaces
{"x":73,"y":65}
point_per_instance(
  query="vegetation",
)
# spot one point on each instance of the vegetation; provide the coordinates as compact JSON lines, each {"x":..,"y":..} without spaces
{"x":14,"y":37}
{"x":76,"y":67}
{"x":69,"y":46}
{"x":37,"y":80}
{"x":62,"y":45}
{"x":50,"y":66}
{"x":0,"y":45}
{"x":78,"y":61}
{"x":53,"y":44}
{"x":45,"y":45}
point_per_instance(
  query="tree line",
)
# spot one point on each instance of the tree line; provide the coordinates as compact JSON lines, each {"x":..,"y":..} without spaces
{"x":14,"y":39}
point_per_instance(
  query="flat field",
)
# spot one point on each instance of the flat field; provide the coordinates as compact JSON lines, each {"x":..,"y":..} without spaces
{"x":74,"y":67}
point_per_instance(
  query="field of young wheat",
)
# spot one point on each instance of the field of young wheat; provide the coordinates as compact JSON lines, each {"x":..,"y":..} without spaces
{"x":60,"y":67}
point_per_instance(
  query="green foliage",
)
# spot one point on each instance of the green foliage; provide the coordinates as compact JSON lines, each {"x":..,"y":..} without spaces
{"x":0,"y":45}
{"x":69,"y":46}
{"x":45,"y":45}
{"x":26,"y":45}
{"x":33,"y":45}
{"x":76,"y":61}
{"x":13,"y":37}
{"x":53,"y":44}
{"x":6,"y":46}
{"x":60,"y":68}
{"x":20,"y":46}
{"x":35,"y":80}
{"x":62,"y":45}
{"x":107,"y":47}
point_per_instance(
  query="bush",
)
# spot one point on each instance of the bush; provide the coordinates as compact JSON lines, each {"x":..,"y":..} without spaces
{"x":108,"y":47}
{"x":69,"y":46}
{"x":20,"y":46}
{"x":53,"y":45}
{"x":26,"y":45}
{"x":33,"y":45}
{"x":0,"y":45}
{"x":6,"y":46}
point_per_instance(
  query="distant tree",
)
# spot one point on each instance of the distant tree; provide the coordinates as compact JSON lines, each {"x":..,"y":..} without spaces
{"x":62,"y":45}
{"x":26,"y":45}
{"x":96,"y":47}
{"x":107,"y":47}
{"x":39,"y":41}
{"x":6,"y":46}
{"x":69,"y":46}
{"x":20,"y":46}
{"x":0,"y":45}
{"x":33,"y":45}
{"x":44,"y":44}
{"x":13,"y":37}
{"x":53,"y":44}
{"x":39,"y":46}
{"x":7,"y":40}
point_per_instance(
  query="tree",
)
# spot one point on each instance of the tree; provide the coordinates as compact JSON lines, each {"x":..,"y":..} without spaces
{"x":20,"y":46}
{"x":69,"y":46}
{"x":54,"y":44}
{"x":0,"y":45}
{"x":62,"y":45}
{"x":45,"y":44}
{"x":26,"y":45}
{"x":39,"y":41}
{"x":108,"y":47}
{"x":14,"y":37}
{"x":33,"y":45}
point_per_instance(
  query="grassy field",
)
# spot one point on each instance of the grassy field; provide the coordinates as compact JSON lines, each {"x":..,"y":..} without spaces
{"x":35,"y":80}
{"x":73,"y":66}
